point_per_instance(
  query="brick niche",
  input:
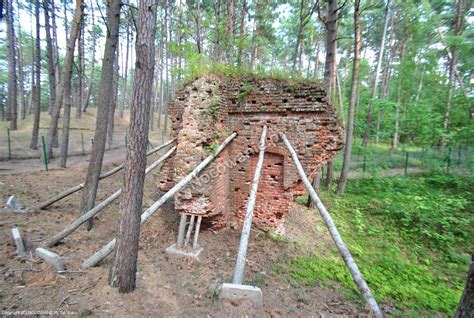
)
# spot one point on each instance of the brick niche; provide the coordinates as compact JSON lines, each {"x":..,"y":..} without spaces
{"x":211,"y":107}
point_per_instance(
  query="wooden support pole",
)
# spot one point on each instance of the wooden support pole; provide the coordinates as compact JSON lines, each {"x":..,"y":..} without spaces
{"x":196,"y":232}
{"x":190,"y":229}
{"x":107,"y":249}
{"x":244,"y":238}
{"x":182,"y":227}
{"x":99,"y":207}
{"x":74,"y":189}
{"x":346,"y":255}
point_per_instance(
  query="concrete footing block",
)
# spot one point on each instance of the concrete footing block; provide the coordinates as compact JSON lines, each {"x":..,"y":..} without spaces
{"x":175,"y":250}
{"x":20,"y":247}
{"x":235,"y":292}
{"x":52,"y":259}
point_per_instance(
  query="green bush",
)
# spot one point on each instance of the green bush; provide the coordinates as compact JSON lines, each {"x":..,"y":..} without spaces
{"x":410,"y":236}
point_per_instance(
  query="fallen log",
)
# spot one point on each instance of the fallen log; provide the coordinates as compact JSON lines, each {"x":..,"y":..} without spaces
{"x":107,"y":249}
{"x":244,"y":238}
{"x":68,"y":192}
{"x":99,"y":207}
{"x":346,"y":254}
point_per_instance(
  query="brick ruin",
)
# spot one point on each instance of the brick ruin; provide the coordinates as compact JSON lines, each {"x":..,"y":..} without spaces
{"x":211,"y":107}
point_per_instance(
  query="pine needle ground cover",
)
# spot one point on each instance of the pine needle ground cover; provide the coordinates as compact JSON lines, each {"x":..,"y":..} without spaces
{"x":411,"y":237}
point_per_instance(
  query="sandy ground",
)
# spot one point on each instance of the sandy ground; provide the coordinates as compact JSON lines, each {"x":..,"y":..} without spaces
{"x":168,"y":286}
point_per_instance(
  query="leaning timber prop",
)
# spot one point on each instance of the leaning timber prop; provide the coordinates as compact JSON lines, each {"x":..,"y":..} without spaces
{"x":99,"y":207}
{"x":236,"y":290}
{"x":346,"y":254}
{"x":68,"y":192}
{"x":107,"y":249}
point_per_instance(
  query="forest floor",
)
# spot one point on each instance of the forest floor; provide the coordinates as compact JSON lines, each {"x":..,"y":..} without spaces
{"x":167,"y":286}
{"x":81,"y":134}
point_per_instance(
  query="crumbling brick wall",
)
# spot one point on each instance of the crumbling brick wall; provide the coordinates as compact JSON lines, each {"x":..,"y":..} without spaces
{"x":211,"y":107}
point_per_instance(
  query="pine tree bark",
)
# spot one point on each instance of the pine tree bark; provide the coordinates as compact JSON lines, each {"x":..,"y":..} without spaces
{"x":352,"y":101}
{"x":113,"y":103}
{"x":330,"y":22}
{"x":396,"y":133}
{"x":386,"y":75}
{"x":125,"y":266}
{"x":453,"y":64}
{"x":105,"y":92}
{"x":466,"y":305}
{"x":125,"y":73}
{"x":65,"y":80}
{"x":12,"y":78}
{"x":66,"y":123}
{"x":55,"y":49}
{"x":91,"y":80}
{"x":80,"y":73}
{"x":37,"y":88}
{"x":243,"y":33}
{"x":51,"y":56}
{"x":21,"y":77}
{"x":375,"y":85}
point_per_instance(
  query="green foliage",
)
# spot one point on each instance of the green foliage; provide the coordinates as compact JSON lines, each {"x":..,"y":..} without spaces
{"x":212,"y":147}
{"x":244,"y":92}
{"x":409,"y":235}
{"x":213,"y":108}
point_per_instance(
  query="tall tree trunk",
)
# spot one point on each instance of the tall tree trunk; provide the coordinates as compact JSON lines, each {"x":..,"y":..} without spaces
{"x":386,"y":74}
{"x":66,"y":123}
{"x":466,"y":305}
{"x":125,"y":73}
{"x":453,"y":63}
{"x":80,"y":73}
{"x":21,"y":77}
{"x":12,"y":80}
{"x":375,"y":86}
{"x":55,"y":49}
{"x":299,"y":35}
{"x":253,"y":57}
{"x":51,"y":57}
{"x":330,"y":66}
{"x":113,"y":103}
{"x":159,"y":80}
{"x":37,"y":88}
{"x":243,"y":33}
{"x":2,"y":107}
{"x":396,"y":134}
{"x":124,"y":269}
{"x":105,"y":92}
{"x":65,"y":80}
{"x":229,"y":32}
{"x":316,"y":61}
{"x":91,"y":80}
{"x":352,"y":101}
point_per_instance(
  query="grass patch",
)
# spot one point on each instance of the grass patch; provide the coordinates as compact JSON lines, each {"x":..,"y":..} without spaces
{"x":411,"y":237}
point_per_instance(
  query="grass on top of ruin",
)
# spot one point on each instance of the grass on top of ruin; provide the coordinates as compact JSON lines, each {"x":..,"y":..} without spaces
{"x":411,"y":237}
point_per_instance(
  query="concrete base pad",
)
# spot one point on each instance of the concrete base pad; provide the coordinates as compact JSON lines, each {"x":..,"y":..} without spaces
{"x":173,"y":249}
{"x":242,"y":292}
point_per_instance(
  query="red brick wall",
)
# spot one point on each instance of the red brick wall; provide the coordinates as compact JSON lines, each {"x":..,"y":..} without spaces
{"x":299,"y":110}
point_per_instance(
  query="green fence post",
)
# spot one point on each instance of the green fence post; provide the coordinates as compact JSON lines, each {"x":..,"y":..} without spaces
{"x":82,"y":142}
{"x":45,"y":158}
{"x":364,"y":163}
{"x":126,"y":139}
{"x":406,"y":163}
{"x":448,"y":163}
{"x":9,"y":144}
{"x":459,"y":156}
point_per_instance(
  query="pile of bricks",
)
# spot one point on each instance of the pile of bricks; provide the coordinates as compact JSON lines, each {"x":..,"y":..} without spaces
{"x":208,"y":109}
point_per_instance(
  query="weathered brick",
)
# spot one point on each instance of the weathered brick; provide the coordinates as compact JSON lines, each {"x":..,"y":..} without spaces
{"x":210,"y":107}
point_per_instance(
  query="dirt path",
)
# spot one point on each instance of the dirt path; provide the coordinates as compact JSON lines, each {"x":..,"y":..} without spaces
{"x":35,"y":165}
{"x":166,"y":286}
